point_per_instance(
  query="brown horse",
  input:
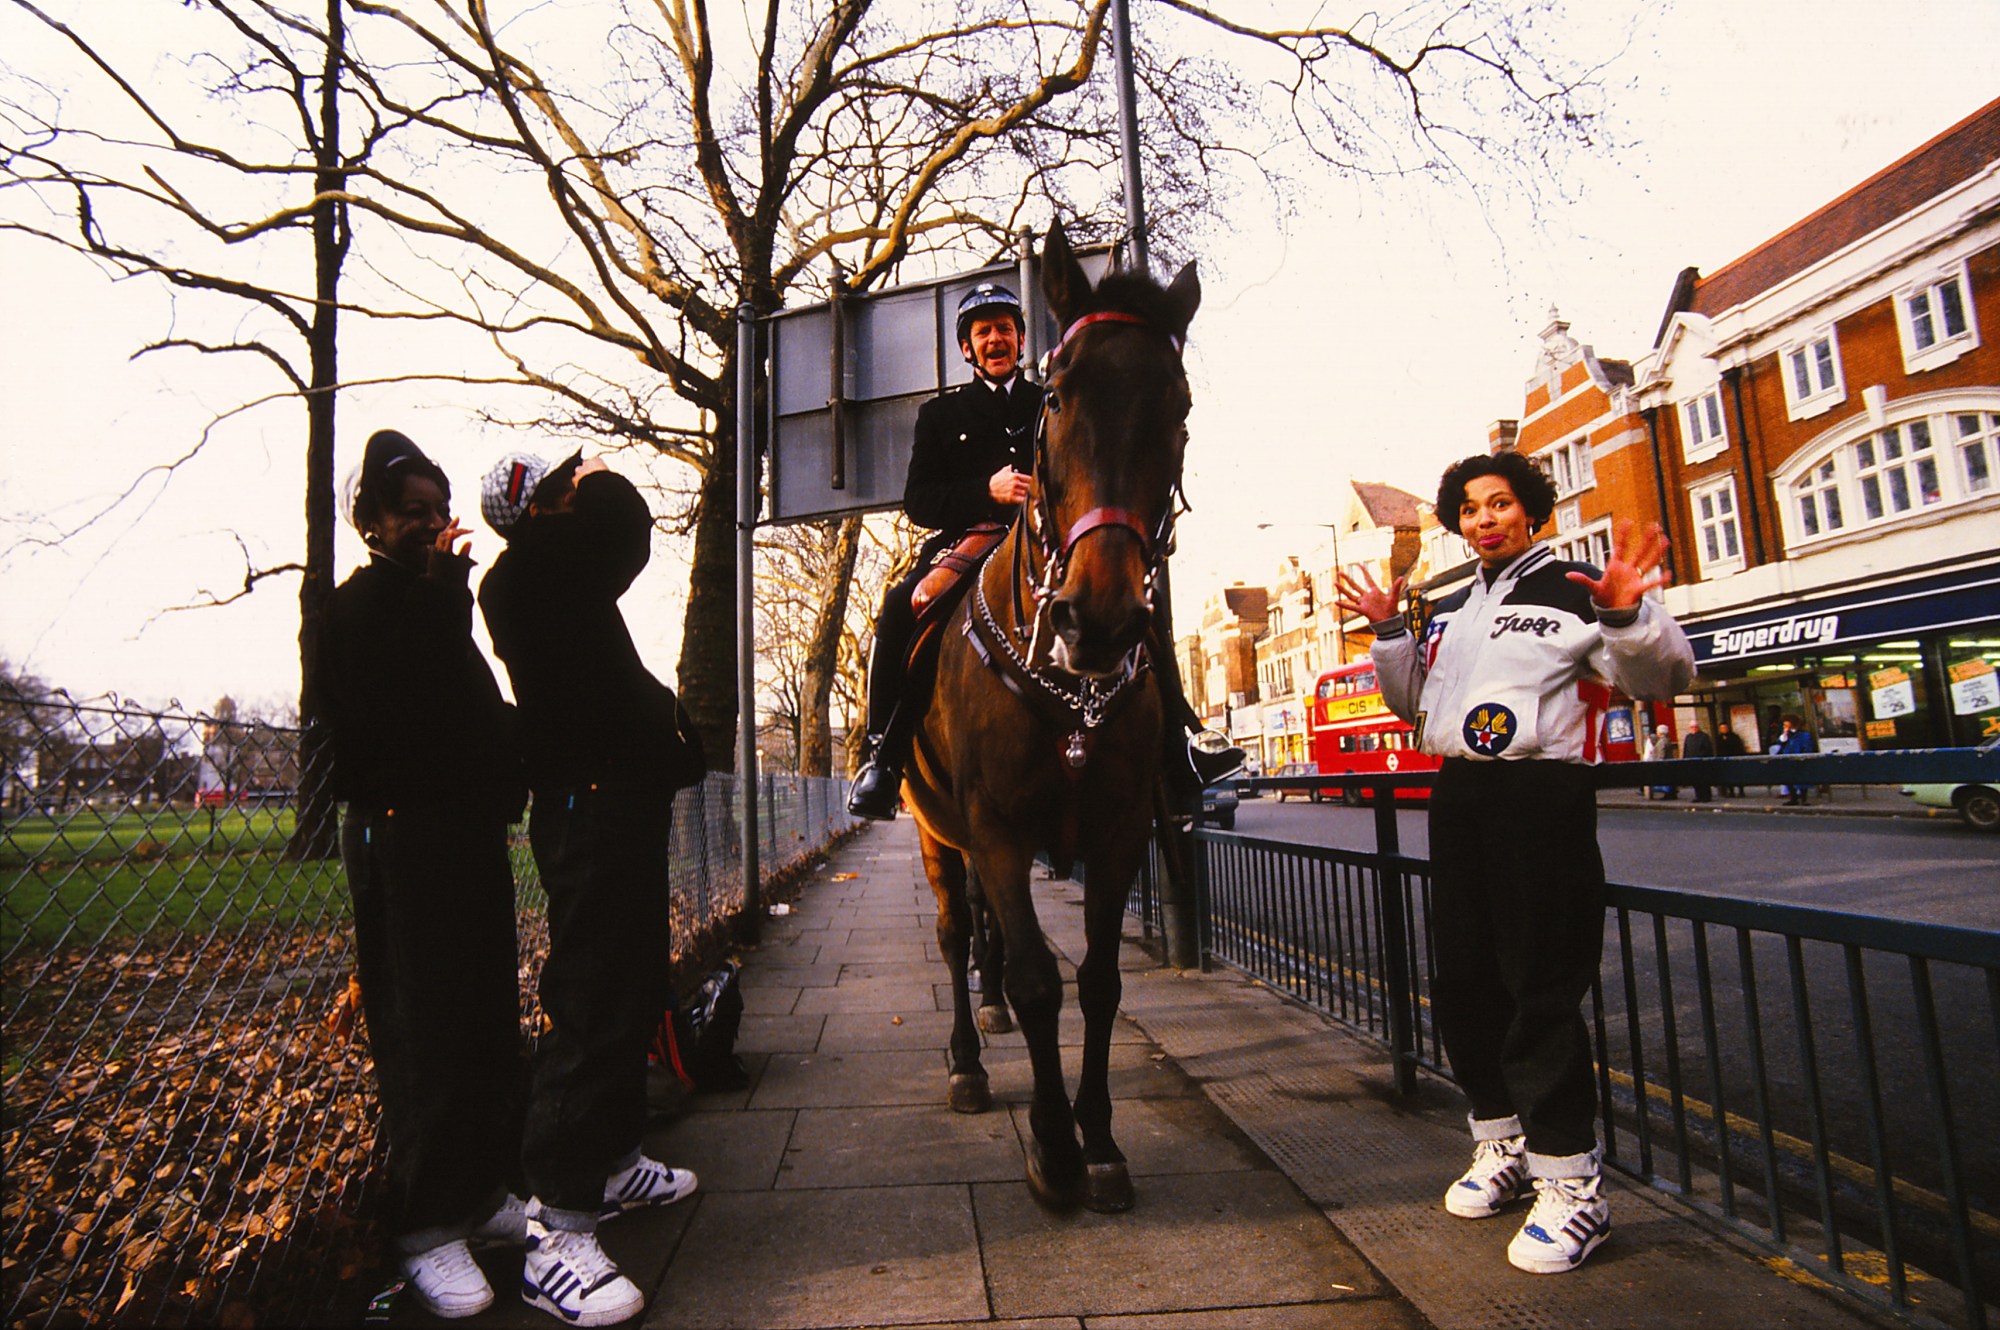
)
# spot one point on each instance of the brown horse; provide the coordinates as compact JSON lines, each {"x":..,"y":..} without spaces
{"x":1044,"y":730}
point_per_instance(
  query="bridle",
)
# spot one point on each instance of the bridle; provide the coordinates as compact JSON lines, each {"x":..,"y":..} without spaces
{"x":1155,"y":545}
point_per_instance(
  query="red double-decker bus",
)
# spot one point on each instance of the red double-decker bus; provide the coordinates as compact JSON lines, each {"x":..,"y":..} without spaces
{"x":1350,"y":729}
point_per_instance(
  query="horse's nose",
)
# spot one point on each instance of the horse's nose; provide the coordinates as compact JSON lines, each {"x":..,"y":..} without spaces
{"x":1097,"y":643}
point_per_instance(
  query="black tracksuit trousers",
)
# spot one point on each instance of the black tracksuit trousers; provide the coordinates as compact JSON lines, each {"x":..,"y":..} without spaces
{"x":1517,"y":912}
{"x":604,"y":865}
{"x":434,"y":946}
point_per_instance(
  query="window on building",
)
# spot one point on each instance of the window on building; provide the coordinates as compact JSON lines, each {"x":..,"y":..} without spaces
{"x":1901,"y":470}
{"x":1818,"y":495}
{"x":1896,"y":471}
{"x":1936,"y":321}
{"x":1704,"y":423}
{"x":1977,"y":440}
{"x":1812,"y":376}
{"x":1592,"y":545}
{"x":1718,"y":539}
{"x":1568,"y":465}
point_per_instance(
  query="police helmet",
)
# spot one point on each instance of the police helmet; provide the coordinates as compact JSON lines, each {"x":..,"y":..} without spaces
{"x":988,"y":300}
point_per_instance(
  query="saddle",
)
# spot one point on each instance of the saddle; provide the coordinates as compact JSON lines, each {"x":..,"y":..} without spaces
{"x":941,"y":587}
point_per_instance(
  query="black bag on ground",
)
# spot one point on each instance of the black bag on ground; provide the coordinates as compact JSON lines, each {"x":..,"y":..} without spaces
{"x":697,"y":1038}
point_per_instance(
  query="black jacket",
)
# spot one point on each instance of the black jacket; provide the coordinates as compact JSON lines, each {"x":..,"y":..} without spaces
{"x":963,"y":437}
{"x":590,"y":709}
{"x":415,"y":713}
{"x":1699,"y":743}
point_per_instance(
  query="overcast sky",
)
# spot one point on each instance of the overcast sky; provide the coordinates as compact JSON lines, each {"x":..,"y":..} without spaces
{"x":1367,"y":339}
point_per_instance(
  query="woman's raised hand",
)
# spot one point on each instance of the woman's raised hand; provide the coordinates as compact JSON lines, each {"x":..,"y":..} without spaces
{"x":1365,"y":598}
{"x":1634,"y":568}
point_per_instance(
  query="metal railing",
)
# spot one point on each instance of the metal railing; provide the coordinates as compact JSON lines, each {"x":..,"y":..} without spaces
{"x":186,"y":1125}
{"x":1826,"y":1083}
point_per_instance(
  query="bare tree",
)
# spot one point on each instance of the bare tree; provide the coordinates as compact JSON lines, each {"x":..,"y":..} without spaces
{"x":599,"y":202}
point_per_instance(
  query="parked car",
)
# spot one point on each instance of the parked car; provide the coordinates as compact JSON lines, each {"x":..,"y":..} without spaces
{"x":1218,"y":806}
{"x":1298,"y":769}
{"x":1979,"y":805}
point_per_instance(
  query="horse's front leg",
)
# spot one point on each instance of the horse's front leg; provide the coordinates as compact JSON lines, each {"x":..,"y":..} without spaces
{"x":1108,"y":878}
{"x":1034,"y":988}
{"x":946,"y":869}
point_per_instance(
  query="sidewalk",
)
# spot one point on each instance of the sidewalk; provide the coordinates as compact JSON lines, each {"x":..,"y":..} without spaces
{"x":1828,"y":801}
{"x":1280,"y":1187}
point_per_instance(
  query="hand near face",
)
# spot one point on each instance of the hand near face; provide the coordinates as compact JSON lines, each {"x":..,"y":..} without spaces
{"x":1634,"y":568}
{"x":1365,"y":598}
{"x":1009,"y":486}
{"x":589,"y":466}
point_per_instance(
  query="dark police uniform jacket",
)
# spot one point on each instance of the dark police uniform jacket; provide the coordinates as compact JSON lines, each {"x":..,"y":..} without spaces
{"x":963,"y":437}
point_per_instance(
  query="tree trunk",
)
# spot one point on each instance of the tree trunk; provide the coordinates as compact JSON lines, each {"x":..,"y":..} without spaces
{"x":823,"y":655}
{"x":316,"y":834}
{"x":707,"y":670}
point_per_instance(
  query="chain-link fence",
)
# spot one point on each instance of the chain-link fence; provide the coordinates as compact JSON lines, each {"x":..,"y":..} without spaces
{"x":187,"y":1129}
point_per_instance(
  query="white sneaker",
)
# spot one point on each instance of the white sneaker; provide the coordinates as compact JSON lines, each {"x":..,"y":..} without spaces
{"x":1569,"y":1221}
{"x":568,"y":1275}
{"x":647,"y":1182}
{"x":448,"y":1281}
{"x":505,"y":1227}
{"x":1498,"y":1177}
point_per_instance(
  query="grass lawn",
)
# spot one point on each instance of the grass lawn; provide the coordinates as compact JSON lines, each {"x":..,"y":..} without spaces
{"x":79,"y":879}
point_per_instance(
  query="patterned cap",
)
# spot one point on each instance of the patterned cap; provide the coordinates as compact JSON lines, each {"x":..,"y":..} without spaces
{"x":512,"y":484}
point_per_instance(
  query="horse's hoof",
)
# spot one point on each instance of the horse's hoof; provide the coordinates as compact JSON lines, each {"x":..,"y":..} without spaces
{"x":1060,"y":1195}
{"x":1107,"y":1188}
{"x":993,"y":1019}
{"x":969,"y":1092}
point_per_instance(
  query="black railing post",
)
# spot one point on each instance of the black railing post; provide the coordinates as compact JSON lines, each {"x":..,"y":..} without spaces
{"x":1396,"y":923}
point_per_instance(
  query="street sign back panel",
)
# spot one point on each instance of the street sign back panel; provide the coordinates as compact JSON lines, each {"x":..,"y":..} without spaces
{"x":900,"y":350}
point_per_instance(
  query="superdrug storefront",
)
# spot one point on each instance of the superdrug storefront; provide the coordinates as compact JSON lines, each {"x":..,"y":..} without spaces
{"x":1910,"y":662}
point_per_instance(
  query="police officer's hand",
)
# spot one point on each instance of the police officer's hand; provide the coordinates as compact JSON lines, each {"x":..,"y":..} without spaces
{"x":1009,"y":486}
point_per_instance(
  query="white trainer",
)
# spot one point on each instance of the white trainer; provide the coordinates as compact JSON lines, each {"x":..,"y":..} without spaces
{"x":647,"y":1182}
{"x":1569,"y":1222}
{"x":568,"y":1275}
{"x":1497,"y":1178}
{"x":448,"y":1282}
{"x":505,"y":1227}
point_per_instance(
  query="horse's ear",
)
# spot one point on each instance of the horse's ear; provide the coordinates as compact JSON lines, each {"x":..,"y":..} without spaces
{"x":1184,"y":296}
{"x":1063,"y":279}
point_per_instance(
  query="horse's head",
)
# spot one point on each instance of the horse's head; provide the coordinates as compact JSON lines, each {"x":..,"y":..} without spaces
{"x":1115,"y":424}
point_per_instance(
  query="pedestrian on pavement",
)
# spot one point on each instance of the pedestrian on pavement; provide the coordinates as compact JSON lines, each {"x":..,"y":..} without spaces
{"x":424,"y":758}
{"x":1730,"y":744}
{"x":971,"y":466}
{"x":1698,"y":744}
{"x":1660,"y":748}
{"x":1517,"y":878}
{"x":1793,"y":737}
{"x":606,"y":746}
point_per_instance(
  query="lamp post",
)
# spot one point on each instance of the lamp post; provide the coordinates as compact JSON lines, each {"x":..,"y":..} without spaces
{"x":1340,"y":621}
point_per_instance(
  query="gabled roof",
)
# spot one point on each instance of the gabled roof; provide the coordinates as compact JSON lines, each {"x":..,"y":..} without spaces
{"x":1247,"y":602}
{"x":1387,"y":505}
{"x":1958,"y":154}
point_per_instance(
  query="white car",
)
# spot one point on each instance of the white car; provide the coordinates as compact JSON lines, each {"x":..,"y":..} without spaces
{"x":1979,"y":805}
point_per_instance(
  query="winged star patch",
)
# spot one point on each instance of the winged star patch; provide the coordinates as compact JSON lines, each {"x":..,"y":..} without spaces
{"x":1489,"y":728}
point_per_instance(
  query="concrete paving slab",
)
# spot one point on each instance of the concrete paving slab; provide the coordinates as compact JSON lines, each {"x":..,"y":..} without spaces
{"x":853,"y":1080}
{"x":763,"y":1033}
{"x":1136,"y":1071}
{"x":793,"y":1260}
{"x":877,"y":1147}
{"x":739,"y":1151}
{"x":771,"y":1000}
{"x":1162,"y":1256}
{"x":809,"y":974}
{"x":1379,"y":1313}
{"x":903,"y":996}
{"x":874,"y":1031}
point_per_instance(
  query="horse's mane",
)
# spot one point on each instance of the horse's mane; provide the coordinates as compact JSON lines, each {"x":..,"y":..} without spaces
{"x":1136,"y":293}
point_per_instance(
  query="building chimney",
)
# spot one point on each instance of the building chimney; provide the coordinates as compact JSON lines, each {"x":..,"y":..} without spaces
{"x":1500,"y":436}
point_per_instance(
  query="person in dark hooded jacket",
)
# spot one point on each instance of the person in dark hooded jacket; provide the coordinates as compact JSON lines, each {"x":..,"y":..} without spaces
{"x":424,"y":759}
{"x":606,"y":747}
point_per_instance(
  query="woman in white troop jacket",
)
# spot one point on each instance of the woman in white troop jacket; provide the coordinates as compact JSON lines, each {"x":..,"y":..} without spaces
{"x":1499,"y":684}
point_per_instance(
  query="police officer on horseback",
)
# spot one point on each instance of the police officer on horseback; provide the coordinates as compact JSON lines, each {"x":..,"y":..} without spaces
{"x":972,"y":463}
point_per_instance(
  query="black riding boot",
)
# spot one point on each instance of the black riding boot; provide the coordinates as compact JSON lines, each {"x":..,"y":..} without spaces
{"x":878,"y":785}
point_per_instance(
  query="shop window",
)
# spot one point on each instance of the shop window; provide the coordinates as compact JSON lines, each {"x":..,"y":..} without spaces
{"x":1972,"y":683}
{"x":1717,"y":536}
{"x":1936,"y":322}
